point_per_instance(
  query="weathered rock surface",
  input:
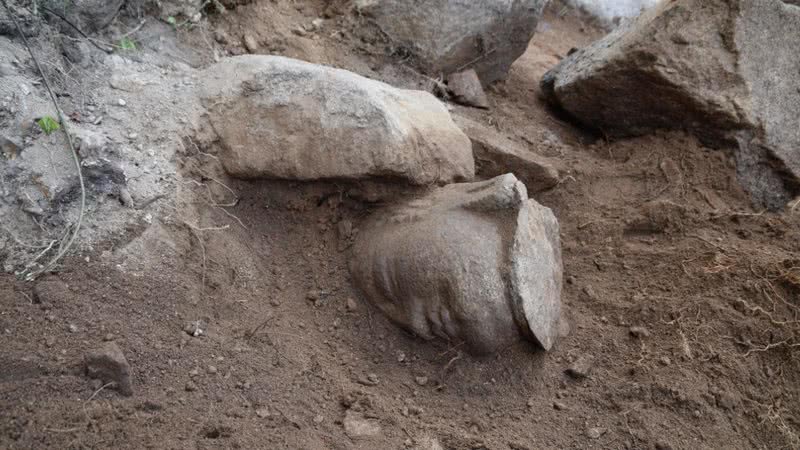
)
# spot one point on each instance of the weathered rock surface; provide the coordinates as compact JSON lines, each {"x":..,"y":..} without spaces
{"x":358,"y":427}
{"x":91,"y":15}
{"x":477,"y":263}
{"x":283,"y":118}
{"x":108,"y":364}
{"x":467,"y":89}
{"x":727,"y":70}
{"x":495,"y":154}
{"x":448,"y":36}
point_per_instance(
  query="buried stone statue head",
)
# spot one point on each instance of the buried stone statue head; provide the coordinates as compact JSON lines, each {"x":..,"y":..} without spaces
{"x":477,"y":263}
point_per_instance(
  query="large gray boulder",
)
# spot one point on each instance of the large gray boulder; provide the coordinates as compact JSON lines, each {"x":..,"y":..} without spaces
{"x":282,"y":118}
{"x":448,"y":36}
{"x":474,"y":263}
{"x":727,"y":70}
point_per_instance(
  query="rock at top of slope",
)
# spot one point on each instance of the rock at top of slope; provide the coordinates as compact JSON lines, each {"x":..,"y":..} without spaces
{"x":282,"y":118}
{"x":448,"y":36}
{"x":726,"y":70}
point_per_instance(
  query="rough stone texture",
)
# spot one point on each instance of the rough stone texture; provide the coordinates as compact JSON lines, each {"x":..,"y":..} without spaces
{"x":108,"y":364}
{"x":467,"y":90}
{"x":477,"y":263}
{"x":89,"y":15}
{"x":358,"y":427}
{"x":727,"y":70}
{"x":450,"y":35}
{"x":495,"y":154}
{"x":282,"y":118}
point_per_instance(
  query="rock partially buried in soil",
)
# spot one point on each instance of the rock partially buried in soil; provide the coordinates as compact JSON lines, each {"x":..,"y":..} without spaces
{"x":477,"y":263}
{"x":467,"y":90}
{"x":727,"y":70}
{"x":495,"y":155}
{"x":283,"y":118}
{"x":448,"y":36}
{"x":108,"y":364}
{"x":358,"y":427}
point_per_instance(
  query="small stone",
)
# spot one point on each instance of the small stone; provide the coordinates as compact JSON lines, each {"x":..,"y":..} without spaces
{"x":133,"y":136}
{"x":262,"y":412}
{"x":358,"y":427}
{"x":696,"y":413}
{"x":318,"y":419}
{"x":581,"y":368}
{"x":195,"y":328}
{"x":108,"y":364}
{"x":369,"y":380}
{"x":595,"y":432}
{"x":467,"y":90}
{"x":351,"y":304}
{"x":275,"y":302}
{"x":558,"y":406}
{"x":194,"y":373}
{"x":665,"y":360}
{"x":121,"y":102}
{"x":571,"y":280}
{"x":590,"y":293}
{"x":401,"y":357}
{"x":73,"y":328}
{"x":108,"y":337}
{"x":250,"y":43}
{"x":422,"y":381}
{"x":212,"y":370}
{"x":190,"y":386}
{"x":639,"y":332}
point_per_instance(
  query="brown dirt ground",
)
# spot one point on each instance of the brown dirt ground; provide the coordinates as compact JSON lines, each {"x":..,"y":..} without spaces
{"x":655,"y":230}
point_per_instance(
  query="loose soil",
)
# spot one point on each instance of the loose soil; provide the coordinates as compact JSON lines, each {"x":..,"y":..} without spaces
{"x":682,"y":299}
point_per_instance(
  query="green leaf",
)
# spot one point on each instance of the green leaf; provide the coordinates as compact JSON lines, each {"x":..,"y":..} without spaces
{"x":48,"y":124}
{"x":171,"y":20}
{"x":127,"y":44}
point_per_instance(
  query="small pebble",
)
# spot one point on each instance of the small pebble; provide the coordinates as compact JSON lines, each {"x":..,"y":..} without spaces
{"x":212,"y":370}
{"x":250,"y":43}
{"x":422,"y":381}
{"x":318,"y":419}
{"x":190,"y":387}
{"x":639,"y":332}
{"x":108,"y":337}
{"x":121,"y":102}
{"x":595,"y":432}
{"x":351,"y":304}
{"x":581,"y":368}
{"x":73,"y":328}
{"x":558,"y":406}
{"x":665,"y":360}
